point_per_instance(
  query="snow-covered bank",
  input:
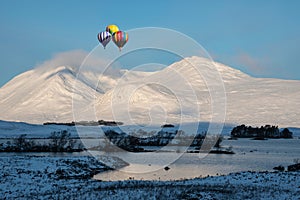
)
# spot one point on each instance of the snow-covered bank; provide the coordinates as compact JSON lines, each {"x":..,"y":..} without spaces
{"x":38,"y":176}
{"x":32,"y":177}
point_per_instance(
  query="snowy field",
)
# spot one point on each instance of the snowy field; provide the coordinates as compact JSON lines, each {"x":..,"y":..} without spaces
{"x":76,"y":175}
{"x":14,"y":129}
{"x":33,"y":177}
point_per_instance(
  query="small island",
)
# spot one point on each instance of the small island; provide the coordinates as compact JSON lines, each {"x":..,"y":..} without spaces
{"x":261,"y":133}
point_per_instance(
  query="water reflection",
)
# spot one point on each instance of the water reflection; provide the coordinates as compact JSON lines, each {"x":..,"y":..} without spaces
{"x":249,"y":155}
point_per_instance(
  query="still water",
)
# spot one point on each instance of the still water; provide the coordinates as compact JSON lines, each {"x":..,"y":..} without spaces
{"x":249,"y":154}
{"x":253,"y":155}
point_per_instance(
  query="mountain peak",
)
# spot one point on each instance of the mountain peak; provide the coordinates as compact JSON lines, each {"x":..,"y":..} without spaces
{"x":50,"y":72}
{"x":201,"y":65}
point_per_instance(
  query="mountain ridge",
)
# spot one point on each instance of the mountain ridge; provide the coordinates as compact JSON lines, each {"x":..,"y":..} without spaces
{"x":41,"y":95}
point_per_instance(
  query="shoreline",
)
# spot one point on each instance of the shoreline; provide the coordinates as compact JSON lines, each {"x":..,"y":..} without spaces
{"x":26,"y":177}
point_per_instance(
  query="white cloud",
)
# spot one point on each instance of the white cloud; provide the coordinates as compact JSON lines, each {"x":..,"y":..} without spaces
{"x":79,"y":60}
{"x":72,"y":58}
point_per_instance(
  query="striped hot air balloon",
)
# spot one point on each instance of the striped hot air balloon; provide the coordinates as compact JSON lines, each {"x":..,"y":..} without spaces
{"x":104,"y":38}
{"x":120,"y":38}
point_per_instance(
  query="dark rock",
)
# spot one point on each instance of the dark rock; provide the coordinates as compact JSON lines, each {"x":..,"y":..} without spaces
{"x":295,"y":167}
{"x":279,"y":168}
{"x":167,"y":126}
{"x":167,"y":168}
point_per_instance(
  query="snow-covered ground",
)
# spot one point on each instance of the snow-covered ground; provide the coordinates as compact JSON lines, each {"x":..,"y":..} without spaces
{"x":10,"y":129}
{"x":33,"y":177}
{"x":45,"y":176}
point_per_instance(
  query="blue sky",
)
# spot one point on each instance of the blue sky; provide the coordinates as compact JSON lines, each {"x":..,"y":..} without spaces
{"x":261,"y":38}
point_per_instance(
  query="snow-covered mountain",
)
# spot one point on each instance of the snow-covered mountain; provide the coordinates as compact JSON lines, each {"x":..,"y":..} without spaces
{"x":189,"y":90}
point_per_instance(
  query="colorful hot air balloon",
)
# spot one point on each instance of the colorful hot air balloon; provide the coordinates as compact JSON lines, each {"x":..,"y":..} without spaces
{"x":112,"y":29}
{"x":104,"y":38}
{"x":120,"y":38}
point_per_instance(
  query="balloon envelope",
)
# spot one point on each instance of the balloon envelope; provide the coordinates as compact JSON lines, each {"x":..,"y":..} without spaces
{"x":120,"y":38}
{"x":104,"y":38}
{"x":112,"y":28}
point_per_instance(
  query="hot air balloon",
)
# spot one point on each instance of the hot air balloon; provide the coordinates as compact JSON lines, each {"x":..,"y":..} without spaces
{"x":120,"y":38}
{"x":104,"y":38}
{"x":112,"y":28}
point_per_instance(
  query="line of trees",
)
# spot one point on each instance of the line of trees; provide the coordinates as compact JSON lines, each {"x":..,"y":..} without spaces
{"x":134,"y":142}
{"x":86,"y":123}
{"x":59,"y":141}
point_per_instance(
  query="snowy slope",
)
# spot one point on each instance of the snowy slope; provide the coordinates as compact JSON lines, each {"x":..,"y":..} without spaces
{"x":38,"y":97}
{"x":182,"y":92}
